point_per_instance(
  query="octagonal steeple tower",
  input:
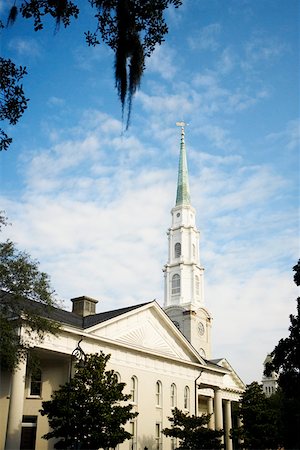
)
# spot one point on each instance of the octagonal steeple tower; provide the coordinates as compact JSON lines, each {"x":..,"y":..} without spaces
{"x":184,"y":276}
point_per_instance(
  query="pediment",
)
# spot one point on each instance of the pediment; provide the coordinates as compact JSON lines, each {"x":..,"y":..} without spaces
{"x":231,"y":380}
{"x":149,"y":329}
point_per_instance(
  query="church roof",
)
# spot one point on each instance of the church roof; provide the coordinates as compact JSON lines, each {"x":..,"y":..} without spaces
{"x":70,"y":318}
{"x":183,"y":189}
{"x":67,"y":317}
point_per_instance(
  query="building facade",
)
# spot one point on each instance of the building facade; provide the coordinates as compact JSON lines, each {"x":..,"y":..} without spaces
{"x":269,"y":383}
{"x":163,"y":355}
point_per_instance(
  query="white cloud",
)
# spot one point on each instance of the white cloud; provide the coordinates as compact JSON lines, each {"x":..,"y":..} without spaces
{"x":207,"y":38}
{"x":262,"y":50}
{"x":56,"y":102}
{"x":227,"y":61}
{"x":25,"y":47}
{"x":250,"y":317}
{"x":289,"y":137}
{"x":98,"y":224}
{"x":162,"y":61}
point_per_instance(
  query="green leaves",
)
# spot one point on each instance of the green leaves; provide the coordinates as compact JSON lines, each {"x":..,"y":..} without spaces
{"x":86,"y":411}
{"x":286,"y":362}
{"x":25,"y":296}
{"x":192,"y":431}
{"x":260,"y":419}
{"x":13,"y":102}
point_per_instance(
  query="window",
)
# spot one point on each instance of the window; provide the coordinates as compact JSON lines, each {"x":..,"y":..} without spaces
{"x":36,"y":383}
{"x":173,"y":395}
{"x":133,"y":390}
{"x":158,"y":393}
{"x":197,"y":285}
{"x":186,"y":399}
{"x":175,"y":284}
{"x":173,"y":443}
{"x":118,"y":377}
{"x":28,"y":434}
{"x":158,"y":436}
{"x":194,"y":251}
{"x":177,"y":250}
{"x":132,"y":445}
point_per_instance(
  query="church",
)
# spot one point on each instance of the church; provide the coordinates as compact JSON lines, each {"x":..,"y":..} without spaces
{"x":163,"y":355}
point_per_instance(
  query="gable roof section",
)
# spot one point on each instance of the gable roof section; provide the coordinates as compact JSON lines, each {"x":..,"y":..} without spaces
{"x":147,"y":327}
{"x":90,"y":321}
{"x":231,"y":380}
{"x":152,"y":332}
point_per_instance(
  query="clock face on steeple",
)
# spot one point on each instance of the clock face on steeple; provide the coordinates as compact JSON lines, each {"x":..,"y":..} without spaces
{"x":201,"y":329}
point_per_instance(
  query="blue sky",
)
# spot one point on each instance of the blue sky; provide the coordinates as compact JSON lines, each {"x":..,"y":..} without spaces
{"x":92,"y":204}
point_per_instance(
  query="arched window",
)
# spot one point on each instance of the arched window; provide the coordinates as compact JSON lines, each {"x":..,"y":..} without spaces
{"x":197,"y":284}
{"x":175,"y":284}
{"x":118,"y":376}
{"x":177,"y":250}
{"x":186,"y":398}
{"x":158,"y":393}
{"x":133,"y":390}
{"x":173,"y":395}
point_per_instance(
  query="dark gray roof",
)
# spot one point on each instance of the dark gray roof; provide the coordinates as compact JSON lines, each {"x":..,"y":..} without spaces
{"x":67,"y":317}
{"x":94,"y":319}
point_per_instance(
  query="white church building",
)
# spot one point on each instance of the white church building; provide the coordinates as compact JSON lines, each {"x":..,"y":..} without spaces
{"x":163,"y":355}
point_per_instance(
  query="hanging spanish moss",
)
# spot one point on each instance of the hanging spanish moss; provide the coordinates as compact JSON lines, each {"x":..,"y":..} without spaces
{"x":13,"y":12}
{"x":131,"y":28}
{"x":129,"y":58}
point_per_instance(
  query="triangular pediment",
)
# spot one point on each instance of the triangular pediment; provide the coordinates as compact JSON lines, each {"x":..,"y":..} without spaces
{"x":148,"y":329}
{"x":231,"y":380}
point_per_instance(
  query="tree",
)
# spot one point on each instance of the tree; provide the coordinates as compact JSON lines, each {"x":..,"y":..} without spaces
{"x":259,"y":414}
{"x":25,"y":297}
{"x":131,"y":28}
{"x":286,"y":362}
{"x":86,"y":412}
{"x":12,"y":101}
{"x":192,"y":431}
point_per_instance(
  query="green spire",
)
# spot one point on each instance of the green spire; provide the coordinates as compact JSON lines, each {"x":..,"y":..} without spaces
{"x":183,"y":189}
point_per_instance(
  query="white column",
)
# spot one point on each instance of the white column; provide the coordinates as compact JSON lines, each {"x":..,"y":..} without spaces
{"x":15,"y":412}
{"x":210,"y":410}
{"x":218,"y":410}
{"x":228,"y":425}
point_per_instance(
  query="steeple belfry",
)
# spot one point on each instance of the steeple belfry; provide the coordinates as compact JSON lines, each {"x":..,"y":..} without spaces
{"x":184,"y":276}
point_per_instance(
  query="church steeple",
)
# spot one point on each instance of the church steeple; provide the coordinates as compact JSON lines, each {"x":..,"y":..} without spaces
{"x":184,"y":276}
{"x":183,"y":188}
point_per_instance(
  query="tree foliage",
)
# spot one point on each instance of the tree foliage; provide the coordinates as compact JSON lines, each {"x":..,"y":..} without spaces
{"x":260,"y":418}
{"x":286,"y":362}
{"x":86,"y":412}
{"x":12,"y":99}
{"x":131,"y":28}
{"x":192,"y":431}
{"x":25,"y":295}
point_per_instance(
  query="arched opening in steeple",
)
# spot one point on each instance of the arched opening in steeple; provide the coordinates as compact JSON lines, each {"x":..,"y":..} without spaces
{"x":177,"y":249}
{"x":176,"y":284}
